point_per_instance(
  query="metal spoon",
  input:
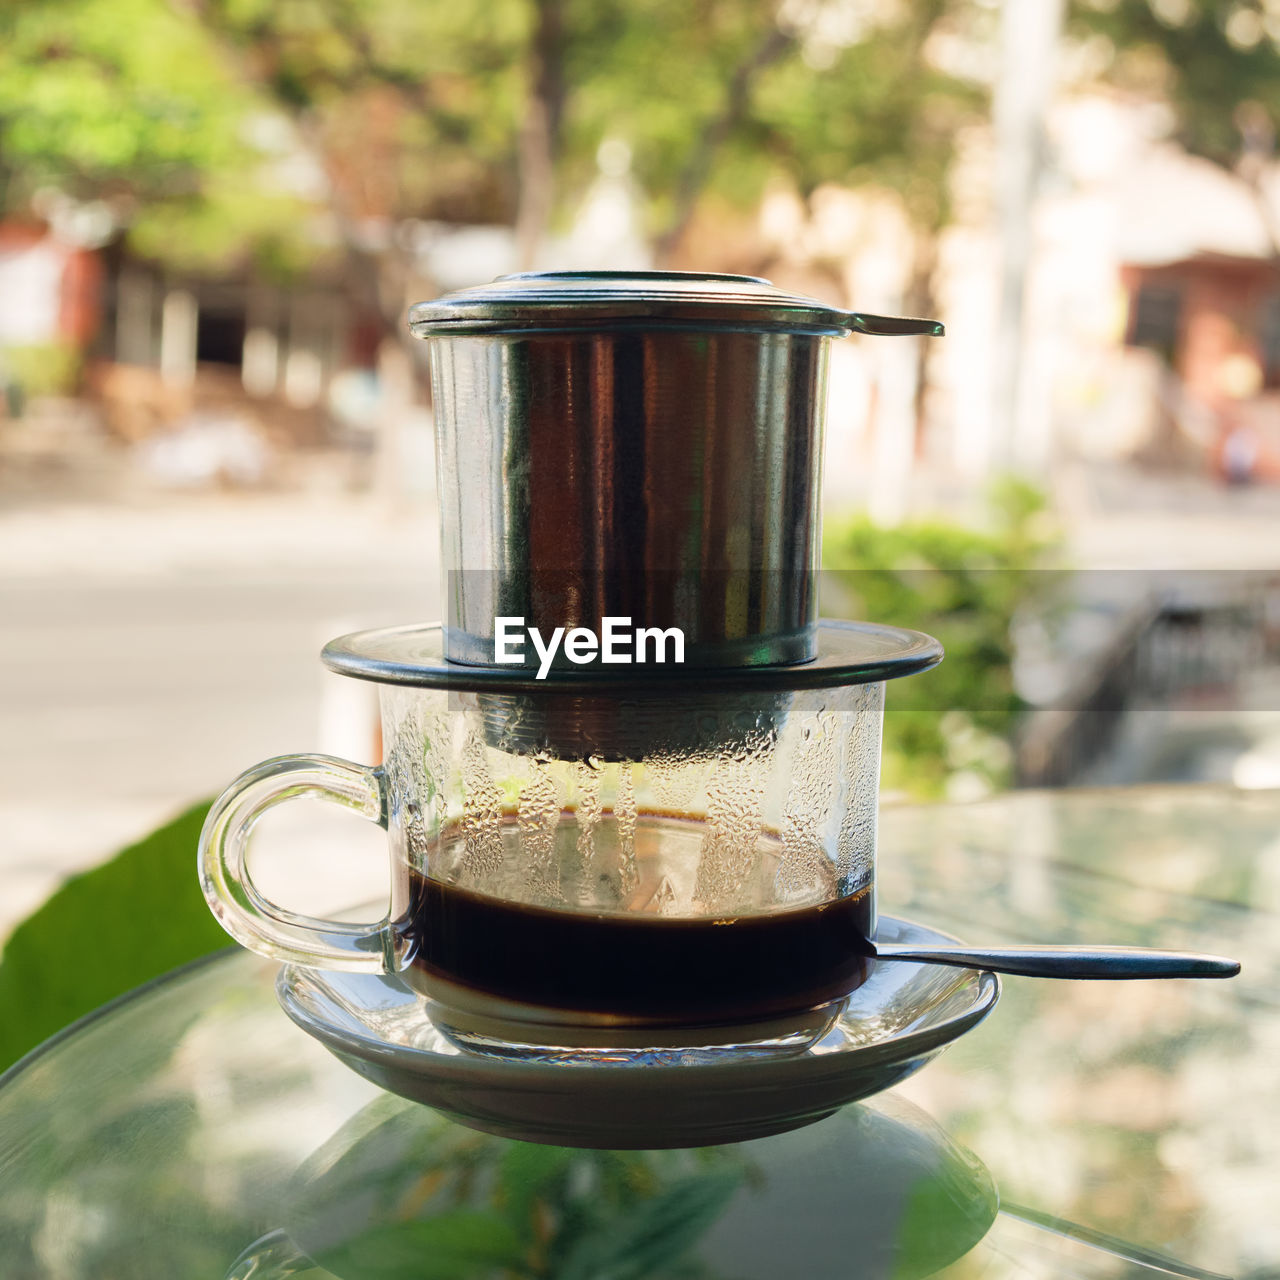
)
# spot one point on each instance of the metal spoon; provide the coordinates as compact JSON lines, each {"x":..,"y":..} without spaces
{"x":1067,"y":962}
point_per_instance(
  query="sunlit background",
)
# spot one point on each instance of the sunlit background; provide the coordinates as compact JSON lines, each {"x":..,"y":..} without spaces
{"x":216,"y":444}
{"x":216,"y":435}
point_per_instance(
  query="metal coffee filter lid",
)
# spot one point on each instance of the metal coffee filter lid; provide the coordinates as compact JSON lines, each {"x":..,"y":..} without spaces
{"x":553,"y":301}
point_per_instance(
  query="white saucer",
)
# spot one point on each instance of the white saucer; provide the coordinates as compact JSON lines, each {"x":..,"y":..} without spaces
{"x":898,"y":1020}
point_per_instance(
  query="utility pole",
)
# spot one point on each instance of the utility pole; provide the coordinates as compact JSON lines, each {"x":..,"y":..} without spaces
{"x":1030,"y":31}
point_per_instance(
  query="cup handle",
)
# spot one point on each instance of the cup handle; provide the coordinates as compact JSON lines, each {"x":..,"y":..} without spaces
{"x":255,"y":921}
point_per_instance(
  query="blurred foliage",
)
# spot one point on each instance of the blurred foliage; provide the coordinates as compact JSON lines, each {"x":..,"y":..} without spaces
{"x":454,"y":83}
{"x":439,"y":1200}
{"x":879,"y":113}
{"x":193,"y":122}
{"x":127,"y":105}
{"x":948,"y":731}
{"x":1217,"y":65}
{"x":646,"y":1231}
{"x":720,"y":99}
{"x":300,"y":127}
{"x":100,"y":91}
{"x":104,"y":933}
{"x":43,"y":369}
{"x":413,"y":107}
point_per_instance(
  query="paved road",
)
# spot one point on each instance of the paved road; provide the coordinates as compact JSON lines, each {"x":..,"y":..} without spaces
{"x":148,"y":654}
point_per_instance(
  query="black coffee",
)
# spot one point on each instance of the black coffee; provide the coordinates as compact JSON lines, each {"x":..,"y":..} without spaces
{"x":639,"y":966}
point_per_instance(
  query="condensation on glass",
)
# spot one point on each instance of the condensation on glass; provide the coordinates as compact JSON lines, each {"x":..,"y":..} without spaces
{"x":765,"y":815}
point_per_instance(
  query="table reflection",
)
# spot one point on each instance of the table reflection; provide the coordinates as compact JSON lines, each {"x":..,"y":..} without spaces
{"x":1125,"y":1129}
{"x":400,"y":1191}
{"x":1149,"y":1111}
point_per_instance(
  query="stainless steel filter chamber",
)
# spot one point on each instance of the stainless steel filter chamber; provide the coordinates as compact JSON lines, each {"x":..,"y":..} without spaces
{"x":642,"y":445}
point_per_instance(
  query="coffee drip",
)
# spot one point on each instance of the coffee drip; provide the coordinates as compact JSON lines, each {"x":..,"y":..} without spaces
{"x":647,"y":448}
{"x":590,"y":847}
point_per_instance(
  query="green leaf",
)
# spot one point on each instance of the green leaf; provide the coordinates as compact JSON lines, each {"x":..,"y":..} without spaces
{"x":654,"y":1236}
{"x":104,"y":933}
{"x":454,"y":1246}
{"x":945,"y":1216}
{"x":529,"y":1172}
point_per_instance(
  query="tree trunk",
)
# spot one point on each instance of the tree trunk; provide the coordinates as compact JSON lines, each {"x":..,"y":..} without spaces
{"x":921,"y":301}
{"x":539,"y":137}
{"x":693,"y":177}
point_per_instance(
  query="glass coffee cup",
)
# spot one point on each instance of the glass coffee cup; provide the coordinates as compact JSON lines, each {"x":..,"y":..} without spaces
{"x":622,"y":865}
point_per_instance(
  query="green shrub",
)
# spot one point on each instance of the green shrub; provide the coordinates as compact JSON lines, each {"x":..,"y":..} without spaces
{"x":948,"y":731}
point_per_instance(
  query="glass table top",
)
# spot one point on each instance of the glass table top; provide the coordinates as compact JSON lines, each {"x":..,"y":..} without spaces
{"x":1084,"y":1129}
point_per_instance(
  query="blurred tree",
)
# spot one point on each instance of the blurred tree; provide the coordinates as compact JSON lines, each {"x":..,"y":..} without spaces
{"x":1217,"y":65}
{"x":190,"y":120}
{"x":119,"y":112}
{"x":461,"y":114}
{"x":187,"y":118}
{"x":721,"y":98}
{"x":505,"y":109}
{"x":184,"y":118}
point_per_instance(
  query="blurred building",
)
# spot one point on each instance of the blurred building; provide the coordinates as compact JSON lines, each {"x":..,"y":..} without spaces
{"x":1153,"y":302}
{"x":49,"y":290}
{"x":169,"y":341}
{"x":152,"y":344}
{"x":1150,"y":324}
{"x":1205,"y":296}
